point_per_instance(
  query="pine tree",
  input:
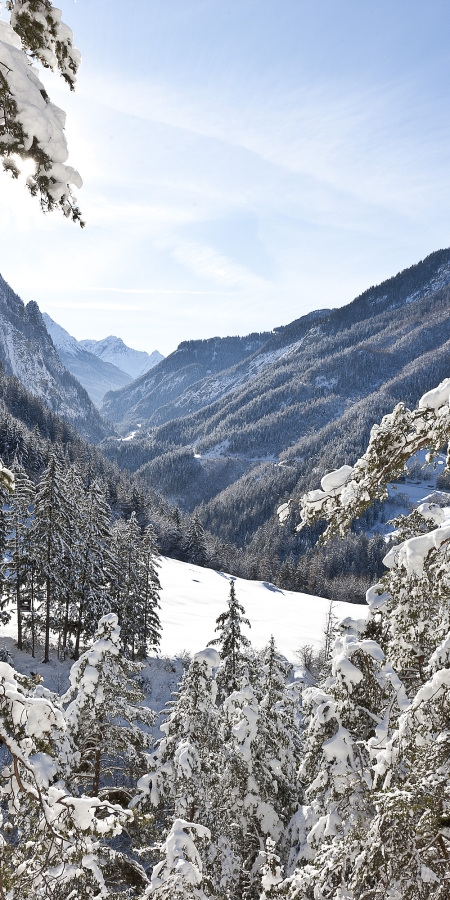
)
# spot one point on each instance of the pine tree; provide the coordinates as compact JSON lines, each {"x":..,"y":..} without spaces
{"x":36,"y":32}
{"x":149,"y":635}
{"x":52,"y":841}
{"x":259,"y":787}
{"x":93,"y":564}
{"x":179,"y":875}
{"x":104,"y":711}
{"x":376,"y":825}
{"x":134,"y":592}
{"x":232,"y":643}
{"x":20,"y":564}
{"x":50,"y":534}
{"x":196,"y":549}
{"x":185,"y":762}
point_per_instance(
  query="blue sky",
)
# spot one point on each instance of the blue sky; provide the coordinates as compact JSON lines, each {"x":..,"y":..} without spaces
{"x":244,"y":162}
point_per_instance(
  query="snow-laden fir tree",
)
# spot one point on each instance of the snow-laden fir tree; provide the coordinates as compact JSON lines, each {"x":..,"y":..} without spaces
{"x":232,"y":643}
{"x":135,"y":586}
{"x":149,"y":635}
{"x":107,"y":722}
{"x":179,"y":876}
{"x":195,"y":547}
{"x":259,"y":787}
{"x":51,"y":538}
{"x":52,"y":841}
{"x":182,"y":781}
{"x":19,"y":565}
{"x":399,"y":843}
{"x":31,"y":127}
{"x":185,"y":764}
{"x":92,"y":565}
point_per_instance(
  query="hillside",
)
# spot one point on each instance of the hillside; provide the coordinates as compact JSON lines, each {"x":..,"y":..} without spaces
{"x":300,"y":405}
{"x":193,"y":597}
{"x":27,"y":351}
{"x":159,"y":395}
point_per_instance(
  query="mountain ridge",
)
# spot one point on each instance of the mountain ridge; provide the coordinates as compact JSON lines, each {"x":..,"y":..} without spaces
{"x":27,"y":352}
{"x":96,"y":375}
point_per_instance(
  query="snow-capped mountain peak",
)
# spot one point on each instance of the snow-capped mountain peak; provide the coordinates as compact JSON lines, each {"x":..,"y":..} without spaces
{"x":112,"y":349}
{"x":60,"y":337}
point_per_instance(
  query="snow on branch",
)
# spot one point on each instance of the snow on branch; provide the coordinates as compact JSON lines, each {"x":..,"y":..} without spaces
{"x":31,"y":126}
{"x":346,"y":493}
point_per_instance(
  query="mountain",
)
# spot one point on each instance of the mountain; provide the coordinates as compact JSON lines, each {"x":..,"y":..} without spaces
{"x":165,"y":392}
{"x":27,"y":351}
{"x":96,"y":375}
{"x":271,"y":425}
{"x":113,"y":350}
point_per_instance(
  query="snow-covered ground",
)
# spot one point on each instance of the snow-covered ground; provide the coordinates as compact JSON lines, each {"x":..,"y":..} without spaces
{"x":193,"y":597}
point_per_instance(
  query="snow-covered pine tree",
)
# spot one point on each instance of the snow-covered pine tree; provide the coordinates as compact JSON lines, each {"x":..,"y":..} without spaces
{"x":51,"y":537}
{"x":259,"y":788}
{"x":185,"y":769}
{"x":52,"y":841}
{"x":105,"y":717}
{"x":74,"y":493}
{"x":31,"y":126}
{"x":19,"y":566}
{"x":135,"y":586}
{"x":401,"y":844}
{"x":93,"y":564}
{"x":195,"y":547}
{"x":232,"y":644}
{"x":180,"y":874}
{"x":149,"y":635}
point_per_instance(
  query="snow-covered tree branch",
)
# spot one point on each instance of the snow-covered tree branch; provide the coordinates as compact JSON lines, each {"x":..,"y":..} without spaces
{"x":31,"y":126}
{"x":347,"y":492}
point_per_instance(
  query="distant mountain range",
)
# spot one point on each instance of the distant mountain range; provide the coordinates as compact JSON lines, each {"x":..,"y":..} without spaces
{"x":113,"y":350}
{"x":100,"y":366}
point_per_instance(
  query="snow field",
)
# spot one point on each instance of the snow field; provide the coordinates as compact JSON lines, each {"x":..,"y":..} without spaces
{"x":192,"y":597}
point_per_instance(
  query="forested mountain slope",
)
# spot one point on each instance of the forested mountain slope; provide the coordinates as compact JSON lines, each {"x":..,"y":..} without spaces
{"x":159,"y":395}
{"x":310,"y":409}
{"x":27,"y":351}
{"x":181,"y":385}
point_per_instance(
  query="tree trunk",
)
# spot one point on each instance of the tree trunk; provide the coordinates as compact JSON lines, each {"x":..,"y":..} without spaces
{"x":47,"y":620}
{"x":79,"y":630}
{"x":19,"y":616}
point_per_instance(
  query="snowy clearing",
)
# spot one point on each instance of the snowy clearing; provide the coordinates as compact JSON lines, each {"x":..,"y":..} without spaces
{"x":193,"y":597}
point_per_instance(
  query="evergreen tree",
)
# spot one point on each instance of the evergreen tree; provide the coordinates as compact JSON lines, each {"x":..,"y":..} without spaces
{"x":195,"y":548}
{"x":20,"y":564}
{"x":232,"y":643}
{"x":185,"y":762}
{"x":376,"y":748}
{"x":50,"y":534}
{"x":93,"y":564}
{"x":52,"y":841}
{"x":179,"y":875}
{"x":36,"y":32}
{"x":104,"y":711}
{"x":150,"y":633}
{"x":135,"y":587}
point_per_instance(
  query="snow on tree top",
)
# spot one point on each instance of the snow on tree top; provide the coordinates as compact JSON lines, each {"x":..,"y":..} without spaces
{"x":209,"y":656}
